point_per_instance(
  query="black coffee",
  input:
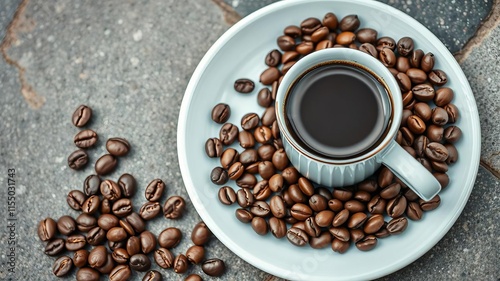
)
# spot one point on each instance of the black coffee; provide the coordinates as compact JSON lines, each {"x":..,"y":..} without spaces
{"x":336,"y":110}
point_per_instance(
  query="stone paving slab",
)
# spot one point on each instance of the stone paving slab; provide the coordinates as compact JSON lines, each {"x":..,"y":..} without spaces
{"x":131,"y":63}
{"x":454,"y":22}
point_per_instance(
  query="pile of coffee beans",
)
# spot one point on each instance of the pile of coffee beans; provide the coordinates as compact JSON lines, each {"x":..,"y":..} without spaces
{"x":274,"y":197}
{"x":109,"y":236}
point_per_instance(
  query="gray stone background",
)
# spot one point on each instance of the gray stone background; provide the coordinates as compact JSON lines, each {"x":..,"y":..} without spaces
{"x":131,"y":62}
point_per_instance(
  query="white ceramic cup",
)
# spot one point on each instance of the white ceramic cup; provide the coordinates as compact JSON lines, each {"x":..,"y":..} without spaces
{"x":339,"y":172}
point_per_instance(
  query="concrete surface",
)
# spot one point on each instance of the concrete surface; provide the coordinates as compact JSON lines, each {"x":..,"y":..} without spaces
{"x":131,"y":63}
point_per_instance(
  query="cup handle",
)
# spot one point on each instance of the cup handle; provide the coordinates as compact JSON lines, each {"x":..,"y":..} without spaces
{"x":410,"y":171}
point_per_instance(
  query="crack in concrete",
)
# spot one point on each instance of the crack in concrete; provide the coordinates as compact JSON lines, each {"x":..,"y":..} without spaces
{"x":491,"y":170}
{"x":230,"y":15}
{"x":32,"y":98}
{"x":484,"y":30}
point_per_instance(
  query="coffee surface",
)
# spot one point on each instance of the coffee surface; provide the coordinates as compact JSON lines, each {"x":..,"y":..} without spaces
{"x":337,"y":110}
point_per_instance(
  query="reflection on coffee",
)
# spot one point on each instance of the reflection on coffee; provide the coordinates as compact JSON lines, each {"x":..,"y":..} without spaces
{"x":337,"y":110}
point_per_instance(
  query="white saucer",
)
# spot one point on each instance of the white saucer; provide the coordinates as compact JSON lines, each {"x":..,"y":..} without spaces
{"x":240,"y":53}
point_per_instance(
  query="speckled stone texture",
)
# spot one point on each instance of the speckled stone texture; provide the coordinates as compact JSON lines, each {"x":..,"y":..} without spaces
{"x":131,"y":63}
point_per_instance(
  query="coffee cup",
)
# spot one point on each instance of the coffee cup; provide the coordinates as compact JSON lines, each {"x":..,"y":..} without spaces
{"x":339,"y":112}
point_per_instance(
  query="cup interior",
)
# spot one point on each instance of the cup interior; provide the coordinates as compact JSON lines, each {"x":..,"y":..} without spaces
{"x":389,"y":93}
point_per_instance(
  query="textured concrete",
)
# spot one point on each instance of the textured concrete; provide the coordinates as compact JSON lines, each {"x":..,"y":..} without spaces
{"x":131,"y":63}
{"x":454,"y":22}
{"x":483,"y":78}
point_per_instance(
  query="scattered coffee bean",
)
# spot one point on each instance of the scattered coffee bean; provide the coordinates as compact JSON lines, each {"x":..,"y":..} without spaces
{"x":78,"y":159}
{"x":120,"y":273}
{"x":221,"y":113}
{"x":80,"y":258}
{"x":200,"y":234}
{"x":164,"y":258}
{"x":227,"y":196}
{"x":75,"y":242}
{"x":87,"y":274}
{"x":180,"y":264}
{"x":85,"y":222}
{"x":81,"y":116}
{"x":150,"y":210}
{"x":154,"y":190}
{"x":244,"y":85}
{"x":66,"y":225}
{"x":170,"y":237}
{"x":140,"y":262}
{"x":47,"y":229}
{"x":62,"y":266}
{"x":110,"y":190}
{"x":148,"y":241}
{"x":174,"y":207}
{"x":214,"y":267}
{"x":105,"y":164}
{"x":85,"y":139}
{"x":195,"y":254}
{"x":54,"y":247}
{"x":152,"y":275}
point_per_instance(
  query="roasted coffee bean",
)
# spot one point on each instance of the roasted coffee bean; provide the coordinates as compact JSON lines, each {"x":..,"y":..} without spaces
{"x":244,"y":85}
{"x":62,"y":266}
{"x":108,"y":266}
{"x":403,"y":64}
{"x":440,"y":167}
{"x":340,"y":233}
{"x":436,"y":152}
{"x":180,"y":264}
{"x":133,"y":245}
{"x":105,"y":206}
{"x":422,"y":110}
{"x":110,"y":190}
{"x":54,"y":247}
{"x":367,"y":243}
{"x":286,"y":43}
{"x":301,"y":211}
{"x":107,"y":221}
{"x":416,"y":58}
{"x":452,"y":134}
{"x":276,"y":183}
{"x":200,"y":234}
{"x":115,"y":245}
{"x":193,"y":277}
{"x":345,"y":38}
{"x":98,"y":256}
{"x":174,"y":207}
{"x":287,"y":67}
{"x":219,"y":176}
{"x":318,"y":202}
{"x":66,"y":225}
{"x":356,"y":220}
{"x":246,"y":139}
{"x":136,"y":222}
{"x":265,"y":152}
{"x":85,"y":222}
{"x":354,"y":206}
{"x":349,"y":23}
{"x":407,"y":95}
{"x":417,"y":76}
{"x":75,"y":242}
{"x":116,"y":234}
{"x":291,"y":175}
{"x":229,"y":157}
{"x":342,"y":194}
{"x":368,"y":185}
{"x":105,"y":164}
{"x":416,"y":125}
{"x":266,"y":169}
{"x":78,"y":159}
{"x":369,"y":49}
{"x":213,"y":147}
{"x":80,"y":258}
{"x":356,"y":235}
{"x":322,"y":241}
{"x":325,"y":44}
{"x":249,"y":156}
{"x":252,"y":168}
{"x":91,"y":205}
{"x":297,"y":236}
{"x":330,"y":20}
{"x":420,"y":145}
{"x":309,"y":25}
{"x":305,"y":48}
{"x":362,"y":196}
{"x":228,"y":133}
{"x":227,"y":196}
{"x":260,"y":209}
{"x":262,"y":190}
{"x":96,"y":236}
{"x":277,"y":206}
{"x":247,"y":180}
{"x":439,"y":116}
{"x":164,"y":258}
{"x":404,"y":82}
{"x":427,"y":63}
{"x":423,"y":92}
{"x":405,"y":46}
{"x":390,"y":191}
{"x":120,"y":256}
{"x":386,"y":42}
{"x":269,"y":116}
{"x":195,"y":254}
{"x":273,"y":58}
{"x":324,"y":218}
{"x":148,"y":242}
{"x":140,"y":262}
{"x":292,"y":31}
{"x":431,"y":204}
{"x":367,"y":35}
{"x":319,"y":34}
{"x":397,"y":225}
{"x":81,"y":116}
{"x":438,"y":77}
{"x":296,"y":194}
{"x":87,"y":274}
{"x":221,"y":113}
{"x":118,"y":146}
{"x":325,"y":192}
{"x":373,"y":224}
{"x":340,"y":218}
{"x":277,"y":227}
{"x":154,"y":190}
{"x":47,"y":229}
{"x":376,"y":205}
{"x":443,"y":96}
{"x":120,"y":273}
{"x":396,"y":206}
{"x":264,"y":97}
{"x":311,"y":227}
{"x":127,"y":227}
{"x":213,"y":267}
{"x":75,"y":199}
{"x":387,"y":57}
{"x":275,"y":85}
{"x":127,"y":184}
{"x":452,"y":153}
{"x":339,"y":246}
{"x":263,"y":134}
{"x":243,"y":215}
{"x":85,"y":139}
{"x":250,"y":121}
{"x":91,"y":185}
{"x":288,"y":57}
{"x":413,"y":211}
{"x":122,"y":207}
{"x":435,"y":133}
{"x":452,"y":111}
{"x":170,"y":237}
{"x":306,"y":186}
